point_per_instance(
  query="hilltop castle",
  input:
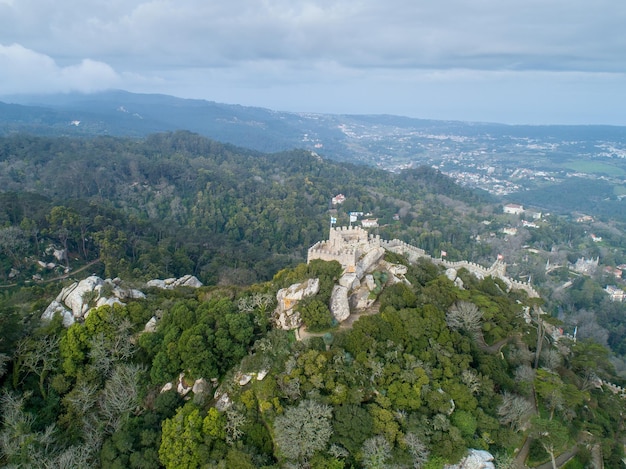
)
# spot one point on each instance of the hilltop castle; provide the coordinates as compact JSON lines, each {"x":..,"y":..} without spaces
{"x":346,"y":245}
{"x":350,"y":245}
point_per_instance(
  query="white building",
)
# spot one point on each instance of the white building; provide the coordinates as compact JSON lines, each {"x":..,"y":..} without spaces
{"x":615,"y":293}
{"x":513,"y":209}
{"x":369,"y":223}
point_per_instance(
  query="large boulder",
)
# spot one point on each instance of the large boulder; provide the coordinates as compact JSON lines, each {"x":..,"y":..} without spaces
{"x":451,"y":274}
{"x":171,"y":283}
{"x":57,"y":308}
{"x":188,"y":281}
{"x":339,"y":306}
{"x":74,"y":295}
{"x":475,"y":459}
{"x":285,"y":315}
{"x":151,"y":325}
{"x":107,"y":302}
{"x":361,"y":299}
{"x":368,"y":261}
{"x":76,"y":299}
{"x":349,"y":280}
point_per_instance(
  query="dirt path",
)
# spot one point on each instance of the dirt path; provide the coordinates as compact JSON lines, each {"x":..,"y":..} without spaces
{"x":72,"y":272}
{"x":561,"y":460}
{"x":60,"y":277}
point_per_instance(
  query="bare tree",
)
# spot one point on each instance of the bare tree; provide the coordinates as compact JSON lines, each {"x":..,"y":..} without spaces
{"x":551,"y":359}
{"x":120,"y":394}
{"x":471,"y":380}
{"x":4,"y":359}
{"x":465,"y":316}
{"x":588,"y":327}
{"x":19,"y":442}
{"x":524,"y":374}
{"x":520,"y":355}
{"x":418,"y":450}
{"x":376,"y":452}
{"x":12,"y":242}
{"x":235,"y":420}
{"x":515,"y":411}
{"x":82,"y":398}
{"x":40,"y":357}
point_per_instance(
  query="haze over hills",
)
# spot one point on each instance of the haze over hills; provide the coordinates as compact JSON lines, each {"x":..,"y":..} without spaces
{"x":557,"y":168}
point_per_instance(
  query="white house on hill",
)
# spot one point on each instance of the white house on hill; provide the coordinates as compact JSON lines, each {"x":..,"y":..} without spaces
{"x":513,"y":209}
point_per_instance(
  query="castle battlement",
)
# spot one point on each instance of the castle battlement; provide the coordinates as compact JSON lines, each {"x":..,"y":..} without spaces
{"x":347,"y":244}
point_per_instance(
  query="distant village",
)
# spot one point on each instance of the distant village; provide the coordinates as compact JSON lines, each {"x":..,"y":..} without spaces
{"x":582,"y":265}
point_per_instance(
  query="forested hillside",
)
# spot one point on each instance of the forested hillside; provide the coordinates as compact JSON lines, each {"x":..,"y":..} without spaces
{"x":433,"y":368}
{"x":179,"y":203}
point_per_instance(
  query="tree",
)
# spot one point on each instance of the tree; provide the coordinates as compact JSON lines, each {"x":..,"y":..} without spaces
{"x":121,"y":394}
{"x":514,"y":411}
{"x":376,"y":452}
{"x":12,"y":242}
{"x":352,"y":426}
{"x":590,"y":360}
{"x":65,"y":221}
{"x":417,"y":449}
{"x":548,"y":387}
{"x":315,"y":315}
{"x":466,"y":316}
{"x":40,"y":357}
{"x":552,"y":435}
{"x":303,"y":430}
{"x":182,"y":440}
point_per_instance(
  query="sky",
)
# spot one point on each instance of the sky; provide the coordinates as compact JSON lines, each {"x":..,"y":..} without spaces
{"x":508,"y":61}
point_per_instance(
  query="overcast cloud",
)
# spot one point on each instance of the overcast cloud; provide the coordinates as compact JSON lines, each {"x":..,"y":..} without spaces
{"x":518,"y":61}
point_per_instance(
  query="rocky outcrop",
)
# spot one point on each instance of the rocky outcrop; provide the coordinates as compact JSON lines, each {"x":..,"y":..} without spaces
{"x":75,"y":297}
{"x":171,"y":283}
{"x":222,"y":401}
{"x":75,"y":300}
{"x":368,"y":261}
{"x":339,"y":306}
{"x":59,"y":254}
{"x":476,"y":459}
{"x":285,"y":315}
{"x":108,"y":302}
{"x":57,"y":308}
{"x":200,"y":386}
{"x":349,"y":280}
{"x":151,"y":325}
{"x":451,"y":274}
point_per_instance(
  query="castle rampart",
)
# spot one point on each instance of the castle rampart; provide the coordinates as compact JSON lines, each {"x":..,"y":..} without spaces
{"x":347,"y":244}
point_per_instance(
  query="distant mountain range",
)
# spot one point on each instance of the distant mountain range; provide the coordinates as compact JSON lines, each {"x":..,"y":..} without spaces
{"x":382,"y":140}
{"x":544,"y":166}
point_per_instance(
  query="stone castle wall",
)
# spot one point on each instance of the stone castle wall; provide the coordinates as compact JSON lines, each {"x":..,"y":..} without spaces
{"x":347,"y":244}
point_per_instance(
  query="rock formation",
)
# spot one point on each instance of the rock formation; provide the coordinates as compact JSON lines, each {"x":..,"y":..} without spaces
{"x":75,"y":301}
{"x":339,"y":306}
{"x":57,"y":308}
{"x":285,"y":315}
{"x":171,"y":283}
{"x":476,"y":459}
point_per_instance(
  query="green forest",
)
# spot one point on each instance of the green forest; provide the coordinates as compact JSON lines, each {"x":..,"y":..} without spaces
{"x":435,"y":371}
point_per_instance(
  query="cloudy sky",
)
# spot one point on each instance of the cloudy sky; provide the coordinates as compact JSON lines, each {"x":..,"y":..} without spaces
{"x":512,"y":61}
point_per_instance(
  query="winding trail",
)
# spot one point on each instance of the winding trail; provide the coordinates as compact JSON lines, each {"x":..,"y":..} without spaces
{"x":60,"y":277}
{"x":69,"y":274}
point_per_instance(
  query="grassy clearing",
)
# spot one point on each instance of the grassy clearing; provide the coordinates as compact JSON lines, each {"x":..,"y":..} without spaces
{"x":594,"y":167}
